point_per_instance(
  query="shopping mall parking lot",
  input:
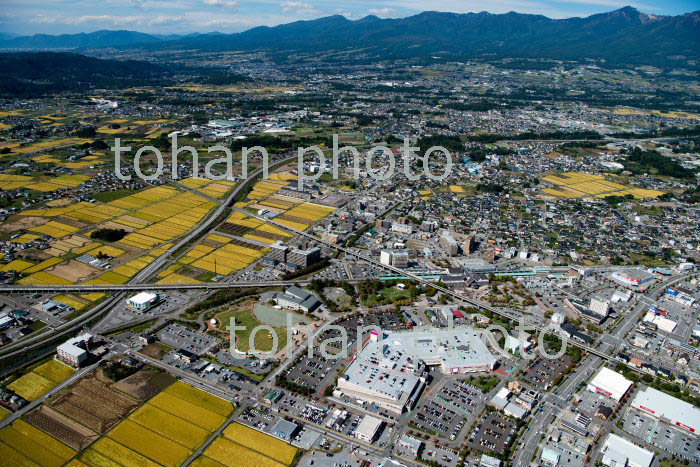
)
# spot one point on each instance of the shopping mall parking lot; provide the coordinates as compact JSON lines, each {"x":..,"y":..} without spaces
{"x":665,"y":437}
{"x":546,"y":372}
{"x":494,"y":432}
{"x":447,"y":407}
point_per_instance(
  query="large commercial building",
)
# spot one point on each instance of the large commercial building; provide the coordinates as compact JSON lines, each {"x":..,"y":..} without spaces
{"x":599,"y":306}
{"x":619,"y":452}
{"x":610,"y":383}
{"x":633,"y":277}
{"x":668,"y":409}
{"x":143,"y":301}
{"x":388,"y":371}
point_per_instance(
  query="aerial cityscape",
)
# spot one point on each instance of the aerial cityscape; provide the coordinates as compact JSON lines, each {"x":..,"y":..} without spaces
{"x":256,"y":234}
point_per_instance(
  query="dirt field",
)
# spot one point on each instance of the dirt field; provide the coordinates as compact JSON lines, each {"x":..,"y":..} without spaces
{"x":61,"y":427}
{"x":59,"y":203}
{"x":155,"y":350}
{"x":92,"y":403}
{"x":145,"y":384}
{"x":74,"y":271}
{"x":24,"y":223}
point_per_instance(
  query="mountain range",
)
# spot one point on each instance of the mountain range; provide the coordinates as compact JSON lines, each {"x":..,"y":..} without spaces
{"x":625,"y":35}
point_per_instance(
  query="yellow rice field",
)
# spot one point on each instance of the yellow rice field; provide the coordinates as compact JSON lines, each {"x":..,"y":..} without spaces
{"x":172,"y":427}
{"x":261,"y":442}
{"x":41,"y":380}
{"x":580,"y":185}
{"x":118,"y":454}
{"x":22,"y":444}
{"x":179,"y":407}
{"x":163,"y":432}
{"x":200,"y":398}
{"x":149,"y":444}
{"x":233,"y":454}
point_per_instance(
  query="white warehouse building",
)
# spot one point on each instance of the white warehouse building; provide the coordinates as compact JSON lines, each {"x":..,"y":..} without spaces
{"x":143,"y":301}
{"x":619,"y":452}
{"x":610,"y":383}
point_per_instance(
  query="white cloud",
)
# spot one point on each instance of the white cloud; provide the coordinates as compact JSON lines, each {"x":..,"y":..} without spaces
{"x":293,"y":6}
{"x":383,"y":12}
{"x":347,"y":13}
{"x":222,"y":3}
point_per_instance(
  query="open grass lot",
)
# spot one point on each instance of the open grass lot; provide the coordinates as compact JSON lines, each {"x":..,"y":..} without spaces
{"x":22,"y":444}
{"x":244,"y":316}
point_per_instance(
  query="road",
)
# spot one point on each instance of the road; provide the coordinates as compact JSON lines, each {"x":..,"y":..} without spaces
{"x":150,"y":286}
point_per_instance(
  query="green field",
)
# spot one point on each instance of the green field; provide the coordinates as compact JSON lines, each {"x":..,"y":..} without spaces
{"x":262,"y":339}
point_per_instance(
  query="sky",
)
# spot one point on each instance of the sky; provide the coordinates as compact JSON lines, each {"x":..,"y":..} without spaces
{"x":26,"y":17}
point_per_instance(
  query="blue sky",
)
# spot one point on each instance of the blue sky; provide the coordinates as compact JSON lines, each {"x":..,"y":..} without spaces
{"x":25,"y":17}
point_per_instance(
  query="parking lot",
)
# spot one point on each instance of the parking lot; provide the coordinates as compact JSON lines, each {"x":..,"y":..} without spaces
{"x":334,"y":337}
{"x":178,"y":336}
{"x":443,"y":455}
{"x":447,"y":408}
{"x":545,"y":372}
{"x":314,"y":373}
{"x":494,"y":432}
{"x":665,"y":437}
{"x":385,"y":320}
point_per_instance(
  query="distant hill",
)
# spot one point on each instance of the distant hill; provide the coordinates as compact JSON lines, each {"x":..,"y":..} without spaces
{"x":29,"y":74}
{"x":625,"y":36}
{"x":93,"y":40}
